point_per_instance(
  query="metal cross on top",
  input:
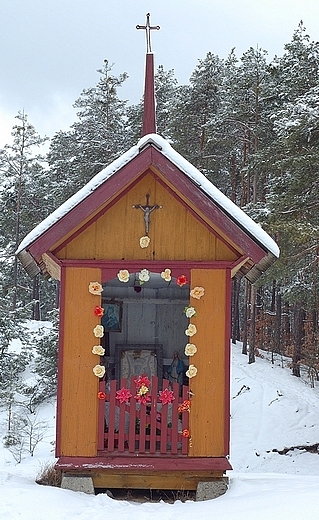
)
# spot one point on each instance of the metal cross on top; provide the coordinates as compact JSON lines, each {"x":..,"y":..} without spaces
{"x":148,"y":28}
{"x":147,"y":210}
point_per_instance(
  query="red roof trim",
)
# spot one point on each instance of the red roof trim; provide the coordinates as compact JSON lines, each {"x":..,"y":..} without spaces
{"x":100,"y":196}
{"x":132,"y":170}
{"x":207,"y":206}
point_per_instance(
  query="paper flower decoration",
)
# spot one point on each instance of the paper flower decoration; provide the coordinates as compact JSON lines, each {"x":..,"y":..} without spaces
{"x":98,"y":311}
{"x":191,"y":330}
{"x":192,"y":371}
{"x":190,"y":311}
{"x":142,"y":381}
{"x":197,"y":292}
{"x":144,"y":242}
{"x":95,"y":288}
{"x":166,"y":396}
{"x":142,"y":398}
{"x":98,"y":331}
{"x":166,"y":275}
{"x":99,"y":371}
{"x":123,"y":275}
{"x":98,"y":350}
{"x":190,"y":349}
{"x":143,"y":276}
{"x":181,"y":280}
{"x":185,"y":433}
{"x":184,"y":407}
{"x":123,"y":395}
{"x":102,"y":396}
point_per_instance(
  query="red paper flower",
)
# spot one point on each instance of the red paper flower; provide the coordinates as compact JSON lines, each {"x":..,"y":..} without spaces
{"x":123,"y":395}
{"x":185,"y":433}
{"x":98,"y":311}
{"x":182,"y":280}
{"x":142,"y":381}
{"x":101,"y":395}
{"x":166,"y":396}
{"x":142,"y":398}
{"x":185,"y":406}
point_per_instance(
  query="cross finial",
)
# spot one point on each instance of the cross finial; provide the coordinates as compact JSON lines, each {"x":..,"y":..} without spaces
{"x":148,"y":28}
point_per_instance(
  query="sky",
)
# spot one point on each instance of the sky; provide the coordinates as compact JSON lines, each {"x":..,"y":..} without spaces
{"x":270,"y":410}
{"x":50,"y":50}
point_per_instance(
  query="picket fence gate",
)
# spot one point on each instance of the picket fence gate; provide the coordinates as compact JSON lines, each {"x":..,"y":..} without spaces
{"x":136,"y":428}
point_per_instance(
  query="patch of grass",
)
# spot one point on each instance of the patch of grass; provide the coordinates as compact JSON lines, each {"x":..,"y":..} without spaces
{"x":49,"y":475}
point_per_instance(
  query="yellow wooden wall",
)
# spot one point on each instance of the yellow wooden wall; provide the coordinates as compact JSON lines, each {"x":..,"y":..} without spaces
{"x":207,"y":416}
{"x":78,"y":402}
{"x":174,"y":232}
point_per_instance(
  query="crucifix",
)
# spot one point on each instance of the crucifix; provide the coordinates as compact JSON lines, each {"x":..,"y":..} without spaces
{"x":147,"y":210}
{"x":148,"y":28}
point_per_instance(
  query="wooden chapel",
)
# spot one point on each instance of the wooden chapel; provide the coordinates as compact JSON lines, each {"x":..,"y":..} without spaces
{"x":145,"y":254}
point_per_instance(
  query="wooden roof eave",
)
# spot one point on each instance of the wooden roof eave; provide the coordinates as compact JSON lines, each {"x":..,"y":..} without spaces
{"x":149,"y":156}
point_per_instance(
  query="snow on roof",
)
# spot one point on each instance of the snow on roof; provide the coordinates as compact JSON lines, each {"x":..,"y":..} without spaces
{"x":188,"y":169}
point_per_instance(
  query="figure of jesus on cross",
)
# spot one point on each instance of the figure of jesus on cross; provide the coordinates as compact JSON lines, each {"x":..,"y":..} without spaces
{"x":147,"y":210}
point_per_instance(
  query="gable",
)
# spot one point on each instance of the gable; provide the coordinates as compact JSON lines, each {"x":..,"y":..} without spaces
{"x":176,"y":231}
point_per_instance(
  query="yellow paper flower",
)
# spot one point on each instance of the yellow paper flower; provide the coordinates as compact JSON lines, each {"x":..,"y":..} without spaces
{"x":99,"y":350}
{"x":192,"y":371}
{"x":123,"y":275}
{"x":190,"y":349}
{"x":197,"y":292}
{"x":99,"y":370}
{"x":191,"y":330}
{"x":144,"y":241}
{"x":98,"y":331}
{"x":143,"y":390}
{"x":95,"y":288}
{"x":166,"y":275}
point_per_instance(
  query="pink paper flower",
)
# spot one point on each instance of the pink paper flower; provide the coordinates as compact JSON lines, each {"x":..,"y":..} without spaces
{"x":166,"y":396}
{"x":123,"y":395}
{"x":142,"y":381}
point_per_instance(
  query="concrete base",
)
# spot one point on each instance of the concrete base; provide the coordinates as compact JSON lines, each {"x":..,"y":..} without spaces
{"x":78,"y":483}
{"x":212,"y":489}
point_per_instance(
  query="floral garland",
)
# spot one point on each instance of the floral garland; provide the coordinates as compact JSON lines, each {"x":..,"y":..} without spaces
{"x":142,"y":383}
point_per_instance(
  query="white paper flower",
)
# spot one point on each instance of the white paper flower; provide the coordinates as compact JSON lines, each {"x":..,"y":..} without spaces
{"x":197,"y":292}
{"x":123,"y":275}
{"x":190,"y":311}
{"x":192,"y":371}
{"x":190,"y":349}
{"x":166,"y":275}
{"x":191,"y":330}
{"x":99,"y":350}
{"x":144,"y":275}
{"x":99,"y":370}
{"x":95,"y":288}
{"x":98,"y":331}
{"x":144,"y":241}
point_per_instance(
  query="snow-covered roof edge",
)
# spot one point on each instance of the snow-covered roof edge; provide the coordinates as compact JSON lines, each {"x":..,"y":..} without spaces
{"x":188,"y":169}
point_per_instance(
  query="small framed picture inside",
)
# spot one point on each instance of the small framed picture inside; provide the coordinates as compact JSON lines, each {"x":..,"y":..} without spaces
{"x":112,"y":317}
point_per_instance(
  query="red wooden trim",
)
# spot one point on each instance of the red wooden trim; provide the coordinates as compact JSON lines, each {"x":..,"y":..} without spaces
{"x":198,"y":217}
{"x":240,"y":237}
{"x":227,"y":361}
{"x":149,"y":120}
{"x":154,"y":264}
{"x":142,"y":463}
{"x":86,"y":207}
{"x":131,"y":171}
{"x":101,"y":418}
{"x":100,"y":213}
{"x":60,"y":363}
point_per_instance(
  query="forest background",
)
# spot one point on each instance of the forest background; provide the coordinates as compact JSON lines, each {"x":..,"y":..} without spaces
{"x":251,"y":126}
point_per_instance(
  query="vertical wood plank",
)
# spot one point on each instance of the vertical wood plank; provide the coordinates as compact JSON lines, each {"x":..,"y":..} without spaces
{"x":78,"y":406}
{"x":207,"y":417}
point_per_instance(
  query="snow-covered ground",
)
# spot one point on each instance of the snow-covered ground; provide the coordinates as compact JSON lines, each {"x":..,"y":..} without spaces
{"x":271,"y":410}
